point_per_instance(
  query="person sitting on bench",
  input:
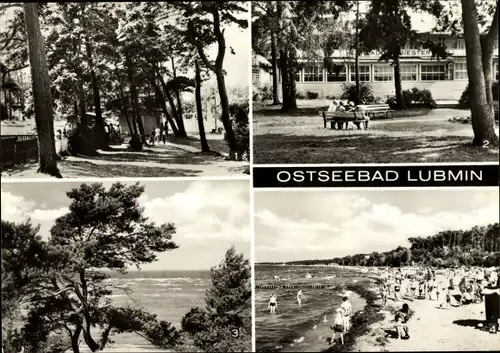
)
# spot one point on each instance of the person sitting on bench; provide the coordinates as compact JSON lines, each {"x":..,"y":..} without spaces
{"x":333,"y":107}
{"x":361,"y":109}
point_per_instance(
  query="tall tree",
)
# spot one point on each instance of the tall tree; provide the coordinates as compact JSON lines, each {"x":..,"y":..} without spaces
{"x":199,"y":109}
{"x":44,"y":113}
{"x":388,"y":28}
{"x":479,"y":49}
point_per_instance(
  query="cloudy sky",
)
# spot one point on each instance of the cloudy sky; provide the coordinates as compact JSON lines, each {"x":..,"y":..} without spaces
{"x":312,"y":224}
{"x":210,"y":216}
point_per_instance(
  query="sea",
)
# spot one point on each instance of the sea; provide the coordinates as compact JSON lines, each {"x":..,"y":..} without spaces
{"x":304,"y":329}
{"x":168,"y":294}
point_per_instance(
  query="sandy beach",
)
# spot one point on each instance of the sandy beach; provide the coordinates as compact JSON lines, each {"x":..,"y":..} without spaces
{"x":453,"y":329}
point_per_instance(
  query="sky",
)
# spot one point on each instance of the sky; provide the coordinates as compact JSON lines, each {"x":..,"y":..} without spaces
{"x":310,"y":224}
{"x":210,"y":216}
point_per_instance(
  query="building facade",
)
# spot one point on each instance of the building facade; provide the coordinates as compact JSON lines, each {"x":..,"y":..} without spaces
{"x":445,"y":78}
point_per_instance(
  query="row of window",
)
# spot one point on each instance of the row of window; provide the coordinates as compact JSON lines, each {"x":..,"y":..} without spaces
{"x":381,"y":73}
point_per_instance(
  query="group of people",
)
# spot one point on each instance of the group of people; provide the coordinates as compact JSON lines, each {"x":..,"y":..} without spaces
{"x":453,"y":288}
{"x":340,"y":106}
{"x":160,"y":133}
{"x":341,"y":323}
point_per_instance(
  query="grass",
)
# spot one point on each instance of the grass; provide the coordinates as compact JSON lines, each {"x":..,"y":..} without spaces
{"x":299,"y":138}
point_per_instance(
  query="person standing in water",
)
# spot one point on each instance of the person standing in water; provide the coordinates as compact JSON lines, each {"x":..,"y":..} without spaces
{"x":300,"y":296}
{"x":273,"y":304}
{"x":346,"y":310}
{"x":338,"y":327}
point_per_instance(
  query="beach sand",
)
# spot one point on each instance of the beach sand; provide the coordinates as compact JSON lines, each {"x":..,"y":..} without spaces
{"x":431,"y":328}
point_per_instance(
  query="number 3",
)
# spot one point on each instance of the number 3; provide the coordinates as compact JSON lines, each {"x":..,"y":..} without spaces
{"x":235,"y":333}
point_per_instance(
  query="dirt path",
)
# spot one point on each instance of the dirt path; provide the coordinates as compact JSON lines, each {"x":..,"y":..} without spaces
{"x":433,"y":329}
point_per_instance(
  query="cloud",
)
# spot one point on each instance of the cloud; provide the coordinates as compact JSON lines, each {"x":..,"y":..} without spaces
{"x":48,"y":215}
{"x":205,"y":211}
{"x":371,"y":227}
{"x":15,"y":208}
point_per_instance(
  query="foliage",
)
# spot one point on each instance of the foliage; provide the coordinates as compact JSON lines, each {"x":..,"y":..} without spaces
{"x":61,"y":281}
{"x":464,"y":98}
{"x":300,"y":95}
{"x":239,"y":112}
{"x":414,"y":97}
{"x":225,"y":324}
{"x":478,"y":246}
{"x":312,"y":95}
{"x":366,"y":93}
{"x":262,"y":93}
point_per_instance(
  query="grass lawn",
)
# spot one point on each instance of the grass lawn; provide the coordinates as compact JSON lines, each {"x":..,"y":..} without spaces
{"x":300,"y":138}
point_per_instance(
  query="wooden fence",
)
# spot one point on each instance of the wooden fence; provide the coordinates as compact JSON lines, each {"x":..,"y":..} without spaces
{"x":18,"y":149}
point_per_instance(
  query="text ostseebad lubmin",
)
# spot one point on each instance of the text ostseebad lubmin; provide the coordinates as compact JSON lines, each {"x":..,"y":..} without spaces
{"x":328,"y":176}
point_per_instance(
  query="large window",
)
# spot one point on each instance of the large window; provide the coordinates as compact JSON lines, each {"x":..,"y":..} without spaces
{"x":460,"y":71}
{"x":495,"y":66}
{"x":297,"y":76}
{"x":459,"y":44}
{"x":408,"y":72}
{"x":442,"y":41}
{"x":383,"y":73}
{"x":313,"y":72}
{"x":433,"y":72}
{"x":364,"y":73}
{"x":338,"y":73}
{"x":256,"y":75}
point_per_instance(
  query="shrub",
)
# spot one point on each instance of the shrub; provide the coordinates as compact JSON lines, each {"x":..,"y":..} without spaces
{"x":366,"y":93}
{"x":262,"y":93}
{"x":312,"y":95}
{"x":300,"y":95}
{"x":414,"y":97}
{"x":239,"y":112}
{"x":463,"y":102}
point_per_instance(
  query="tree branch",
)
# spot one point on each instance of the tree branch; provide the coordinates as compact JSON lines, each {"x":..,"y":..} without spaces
{"x":492,"y":34}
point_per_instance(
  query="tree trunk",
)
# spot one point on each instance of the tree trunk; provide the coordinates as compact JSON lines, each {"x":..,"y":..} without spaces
{"x":135,"y":102}
{"x":180,"y":123}
{"x":483,"y":123}
{"x":226,"y":120}
{"x":44,"y":113}
{"x":180,"y":119}
{"x":199,"y":111}
{"x":274,"y":63}
{"x":163,"y":105}
{"x":287,"y":85}
{"x":99,"y":122}
{"x":75,"y":344}
{"x":398,"y":86}
{"x":356,"y":59}
{"x":81,"y":100}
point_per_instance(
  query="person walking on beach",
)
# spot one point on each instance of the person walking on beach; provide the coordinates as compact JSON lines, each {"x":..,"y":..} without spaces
{"x":383,"y":294}
{"x":273,"y":304}
{"x":300,"y":296}
{"x":338,"y":327}
{"x":397,"y":288}
{"x":346,"y":310}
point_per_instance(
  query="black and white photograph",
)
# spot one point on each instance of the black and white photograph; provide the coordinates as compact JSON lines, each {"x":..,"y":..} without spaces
{"x":377,"y":270}
{"x":349,"y":82}
{"x":124,"y":89}
{"x":149,"y":266}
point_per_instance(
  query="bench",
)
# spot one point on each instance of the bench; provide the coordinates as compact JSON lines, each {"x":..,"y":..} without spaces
{"x":374,"y":109}
{"x":341,"y":118}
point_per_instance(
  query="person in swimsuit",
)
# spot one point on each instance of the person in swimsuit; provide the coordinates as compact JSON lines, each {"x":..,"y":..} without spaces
{"x":413,"y":287}
{"x":346,"y":310}
{"x":383,"y":294}
{"x":397,"y":288}
{"x":273,"y":304}
{"x":338,"y":327}
{"x":300,"y":296}
{"x":401,"y":319}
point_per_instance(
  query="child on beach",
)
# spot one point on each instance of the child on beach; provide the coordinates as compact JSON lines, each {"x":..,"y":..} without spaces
{"x":273,"y":304}
{"x":401,"y":319}
{"x":338,"y":327}
{"x":346,"y":310}
{"x":448,"y":298}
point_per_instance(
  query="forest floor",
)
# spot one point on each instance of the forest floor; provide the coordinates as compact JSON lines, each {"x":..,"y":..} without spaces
{"x":300,"y":137}
{"x":176,"y":158}
{"x":430,"y":328}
